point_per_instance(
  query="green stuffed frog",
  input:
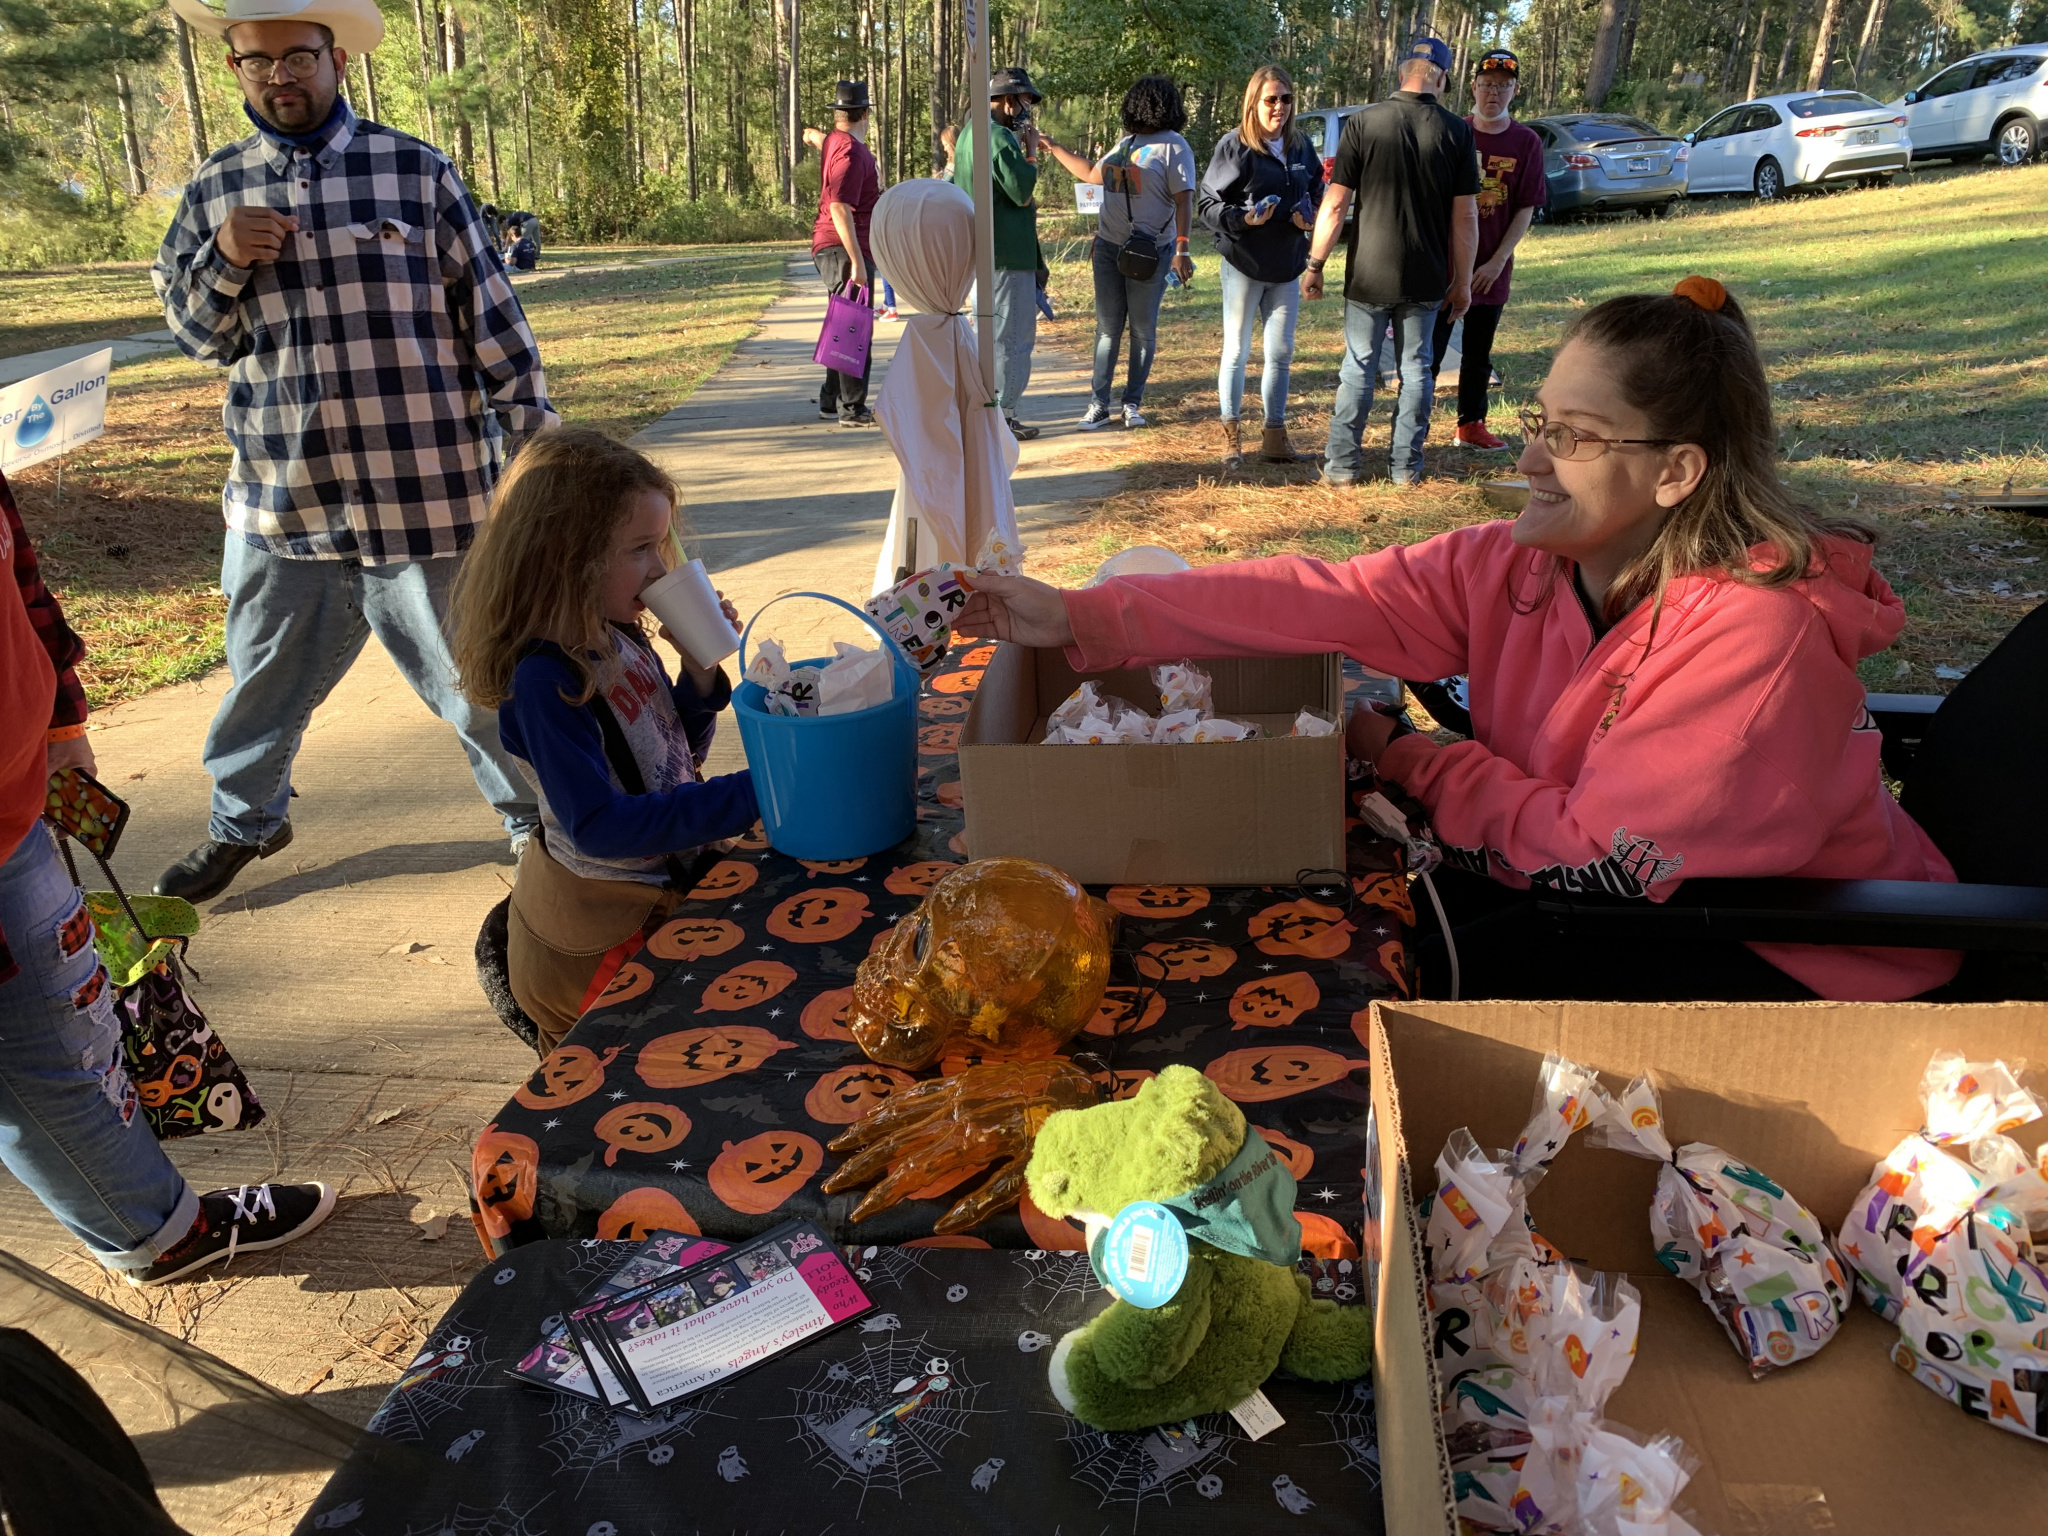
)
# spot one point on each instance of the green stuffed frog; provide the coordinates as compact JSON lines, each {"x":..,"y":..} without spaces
{"x":1239,"y":1310}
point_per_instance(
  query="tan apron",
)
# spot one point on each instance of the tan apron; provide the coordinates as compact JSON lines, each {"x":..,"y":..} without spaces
{"x":561,"y":926}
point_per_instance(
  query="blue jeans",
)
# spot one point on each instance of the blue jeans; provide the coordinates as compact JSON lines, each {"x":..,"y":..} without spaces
{"x":294,"y":627}
{"x":1277,"y":304}
{"x":1016,"y":315}
{"x":1124,"y":302}
{"x":71,"y":1128}
{"x":1366,"y":327}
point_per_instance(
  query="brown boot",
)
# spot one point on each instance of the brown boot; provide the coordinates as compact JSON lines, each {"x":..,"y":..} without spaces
{"x":1233,"y":445}
{"x":1274,"y":447}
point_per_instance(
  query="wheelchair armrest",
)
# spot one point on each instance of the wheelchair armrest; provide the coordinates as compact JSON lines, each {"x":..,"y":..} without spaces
{"x":1902,"y":719}
{"x":1910,"y":914}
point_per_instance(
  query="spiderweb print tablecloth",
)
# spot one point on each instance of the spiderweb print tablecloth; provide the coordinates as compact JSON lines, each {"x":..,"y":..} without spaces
{"x":699,"y":1093}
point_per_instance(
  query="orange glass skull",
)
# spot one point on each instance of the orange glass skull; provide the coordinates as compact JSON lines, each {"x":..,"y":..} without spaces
{"x":1007,"y":951}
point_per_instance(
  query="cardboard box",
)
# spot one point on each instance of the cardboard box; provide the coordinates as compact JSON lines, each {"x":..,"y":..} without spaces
{"x":1811,"y":1094}
{"x":1218,"y":813}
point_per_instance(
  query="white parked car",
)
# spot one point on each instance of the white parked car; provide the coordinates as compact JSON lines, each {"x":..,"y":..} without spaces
{"x":1810,"y":138}
{"x":1989,"y":104}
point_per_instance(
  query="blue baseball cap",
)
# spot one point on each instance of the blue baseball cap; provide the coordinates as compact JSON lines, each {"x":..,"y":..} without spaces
{"x":1434,"y":49}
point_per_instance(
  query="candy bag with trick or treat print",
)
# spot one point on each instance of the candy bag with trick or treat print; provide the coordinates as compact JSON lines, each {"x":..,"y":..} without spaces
{"x":918,"y":613}
{"x":1974,"y":1322}
{"x":1761,"y":1261}
{"x":1923,"y":1186}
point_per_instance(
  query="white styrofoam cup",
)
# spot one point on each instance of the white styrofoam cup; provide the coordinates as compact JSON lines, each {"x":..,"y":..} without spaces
{"x":686,"y":602}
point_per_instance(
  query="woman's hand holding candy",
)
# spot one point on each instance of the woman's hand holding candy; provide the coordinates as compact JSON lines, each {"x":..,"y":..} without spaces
{"x":1016,"y":608}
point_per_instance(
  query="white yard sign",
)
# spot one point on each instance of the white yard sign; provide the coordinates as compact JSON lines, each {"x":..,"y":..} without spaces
{"x":55,"y":410}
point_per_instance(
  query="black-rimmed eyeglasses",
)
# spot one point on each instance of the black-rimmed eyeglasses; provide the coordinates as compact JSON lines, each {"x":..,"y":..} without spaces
{"x":300,"y":64}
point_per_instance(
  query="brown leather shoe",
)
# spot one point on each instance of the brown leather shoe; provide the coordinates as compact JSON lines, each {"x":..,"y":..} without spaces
{"x":1233,"y":445}
{"x":1274,"y":447}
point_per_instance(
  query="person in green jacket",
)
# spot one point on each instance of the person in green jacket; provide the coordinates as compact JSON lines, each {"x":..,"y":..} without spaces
{"x":1013,"y":174}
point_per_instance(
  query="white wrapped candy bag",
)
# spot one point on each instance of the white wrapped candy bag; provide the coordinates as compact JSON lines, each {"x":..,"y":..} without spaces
{"x":918,"y":613}
{"x":1920,"y":1190}
{"x":1223,"y":730}
{"x":1092,"y":718}
{"x":1183,"y":685}
{"x":855,"y":679}
{"x":1629,"y":1485}
{"x":997,"y":556}
{"x":1760,"y":1260}
{"x":1314,"y":722}
{"x":790,"y":691}
{"x":1176,"y":728}
{"x":1974,"y":1322}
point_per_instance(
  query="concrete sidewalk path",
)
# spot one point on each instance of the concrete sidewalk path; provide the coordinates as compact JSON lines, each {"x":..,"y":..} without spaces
{"x":339,"y":972}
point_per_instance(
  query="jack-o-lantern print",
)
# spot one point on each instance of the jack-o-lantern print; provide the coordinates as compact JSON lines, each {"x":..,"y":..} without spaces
{"x":1388,"y":893}
{"x":692,"y":1057}
{"x":957,"y":682}
{"x":1270,"y":1001}
{"x":1299,"y":1158}
{"x":819,"y":867}
{"x":726,"y":878}
{"x":819,"y":916}
{"x":951,"y":794}
{"x":917,"y":879}
{"x":1304,"y":928}
{"x":504,"y":1169}
{"x":1361,"y":1026}
{"x":754,"y":839}
{"x":1184,"y":960}
{"x":567,"y":1074}
{"x":640,"y":1213}
{"x":1325,"y":1238}
{"x":845,"y":1095}
{"x":1052,"y":1236}
{"x":1259,"y":1073}
{"x":640,"y":1126}
{"x":980,"y":656}
{"x":1122,"y":1082}
{"x":943,"y":709}
{"x":752,"y":982}
{"x":756,"y":1176}
{"x":694,"y":938}
{"x":1126,"y":1010}
{"x":824,"y":1016}
{"x":1157,"y":901}
{"x":939,"y":740}
{"x":629,"y":981}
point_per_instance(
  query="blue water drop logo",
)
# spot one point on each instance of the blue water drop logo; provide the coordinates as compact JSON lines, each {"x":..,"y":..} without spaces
{"x":36,"y":423}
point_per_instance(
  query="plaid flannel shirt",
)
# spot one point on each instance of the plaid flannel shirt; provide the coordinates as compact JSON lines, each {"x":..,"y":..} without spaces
{"x":380,"y":368}
{"x":59,"y":639}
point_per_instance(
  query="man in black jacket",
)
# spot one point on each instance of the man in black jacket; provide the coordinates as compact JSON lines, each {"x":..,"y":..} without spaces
{"x":1414,"y":171}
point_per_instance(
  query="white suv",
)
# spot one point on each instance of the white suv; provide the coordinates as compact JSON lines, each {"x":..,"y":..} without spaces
{"x":1989,"y":104}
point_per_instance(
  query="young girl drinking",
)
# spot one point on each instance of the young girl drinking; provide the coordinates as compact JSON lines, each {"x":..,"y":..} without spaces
{"x":548,"y":632}
{"x":1662,"y":657}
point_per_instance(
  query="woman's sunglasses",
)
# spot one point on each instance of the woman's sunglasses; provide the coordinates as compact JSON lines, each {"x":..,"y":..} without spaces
{"x":1277,"y":101}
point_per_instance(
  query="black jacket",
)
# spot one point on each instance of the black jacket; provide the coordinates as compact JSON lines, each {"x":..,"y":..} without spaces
{"x":1237,"y":178}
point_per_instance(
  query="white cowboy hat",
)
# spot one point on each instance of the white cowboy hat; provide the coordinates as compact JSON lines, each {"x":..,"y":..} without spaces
{"x":357,"y":25}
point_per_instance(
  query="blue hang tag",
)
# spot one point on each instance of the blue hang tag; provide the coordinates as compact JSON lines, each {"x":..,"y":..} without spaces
{"x":1142,"y":1257}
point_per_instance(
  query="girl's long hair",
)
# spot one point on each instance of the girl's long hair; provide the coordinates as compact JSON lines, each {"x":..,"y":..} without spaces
{"x":1692,"y":367}
{"x":1248,"y":127}
{"x":535,"y":569}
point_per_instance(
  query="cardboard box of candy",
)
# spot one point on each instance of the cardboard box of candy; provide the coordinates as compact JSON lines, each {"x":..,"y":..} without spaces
{"x":1863,"y":1435}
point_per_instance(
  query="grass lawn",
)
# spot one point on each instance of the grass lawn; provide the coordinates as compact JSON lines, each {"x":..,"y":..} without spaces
{"x":1906,"y":334}
{"x":133,"y":544}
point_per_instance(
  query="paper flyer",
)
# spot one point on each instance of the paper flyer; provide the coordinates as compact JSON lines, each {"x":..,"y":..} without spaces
{"x":690,"y":1331}
{"x":559,"y":1362}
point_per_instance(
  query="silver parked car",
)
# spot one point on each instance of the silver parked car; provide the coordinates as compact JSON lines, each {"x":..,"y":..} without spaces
{"x":1989,"y":104}
{"x":1596,"y":161}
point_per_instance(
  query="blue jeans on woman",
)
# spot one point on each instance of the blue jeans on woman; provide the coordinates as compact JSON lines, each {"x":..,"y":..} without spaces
{"x":1246,"y":299}
{"x":71,"y":1128}
{"x":1124,"y":302}
{"x":1366,"y":327}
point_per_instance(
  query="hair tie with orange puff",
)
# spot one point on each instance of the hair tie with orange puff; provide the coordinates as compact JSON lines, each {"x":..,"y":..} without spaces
{"x":1703,"y":291}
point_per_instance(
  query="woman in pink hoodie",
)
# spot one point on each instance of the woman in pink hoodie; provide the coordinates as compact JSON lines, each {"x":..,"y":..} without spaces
{"x":1662,"y":658}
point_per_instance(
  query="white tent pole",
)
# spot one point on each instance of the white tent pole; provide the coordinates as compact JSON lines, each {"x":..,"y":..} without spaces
{"x":978,"y":75}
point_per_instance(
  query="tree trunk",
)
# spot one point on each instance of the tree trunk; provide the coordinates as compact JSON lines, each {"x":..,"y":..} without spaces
{"x":370,"y":90}
{"x":636,"y":117}
{"x":1606,"y":53}
{"x":1873,"y":30}
{"x":1735,"y":50}
{"x":465,"y":143}
{"x":1793,"y":27}
{"x":938,"y":42}
{"x":99,"y":156}
{"x":1756,"y":56}
{"x":429,"y":48}
{"x":1628,"y":38}
{"x":188,"y":78}
{"x":491,"y":156}
{"x":527,"y":179}
{"x":795,"y":122}
{"x":1823,"y":46}
{"x":686,"y":65}
{"x":131,"y":142}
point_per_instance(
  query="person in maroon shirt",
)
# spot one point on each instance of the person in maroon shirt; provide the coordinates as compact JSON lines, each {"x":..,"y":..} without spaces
{"x":848,"y":188}
{"x":1511,"y":189}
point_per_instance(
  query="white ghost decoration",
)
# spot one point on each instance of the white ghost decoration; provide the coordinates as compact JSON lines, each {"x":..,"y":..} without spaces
{"x":1291,"y":1497}
{"x":985,"y":1474}
{"x":730,"y":1465}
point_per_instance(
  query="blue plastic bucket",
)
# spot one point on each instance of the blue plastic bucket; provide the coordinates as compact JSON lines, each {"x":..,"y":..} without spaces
{"x":833,"y":786}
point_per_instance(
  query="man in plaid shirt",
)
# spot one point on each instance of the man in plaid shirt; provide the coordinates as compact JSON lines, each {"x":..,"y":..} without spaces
{"x":380,"y":372}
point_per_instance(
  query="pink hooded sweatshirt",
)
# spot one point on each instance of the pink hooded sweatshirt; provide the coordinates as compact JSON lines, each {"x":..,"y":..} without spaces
{"x":1739,"y":745}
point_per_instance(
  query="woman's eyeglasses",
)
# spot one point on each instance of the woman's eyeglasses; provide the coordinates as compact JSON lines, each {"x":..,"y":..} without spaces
{"x":1277,"y":101}
{"x":300,"y":64}
{"x":1567,"y":442}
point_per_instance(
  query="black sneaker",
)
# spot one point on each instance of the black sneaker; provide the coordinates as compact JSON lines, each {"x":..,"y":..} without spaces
{"x":828,"y":412}
{"x":211,"y":868}
{"x":1018,"y":430}
{"x":860,"y":418}
{"x":246,"y":1219}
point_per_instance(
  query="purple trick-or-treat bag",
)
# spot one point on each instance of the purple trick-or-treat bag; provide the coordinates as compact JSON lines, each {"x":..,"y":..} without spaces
{"x":849,"y":332}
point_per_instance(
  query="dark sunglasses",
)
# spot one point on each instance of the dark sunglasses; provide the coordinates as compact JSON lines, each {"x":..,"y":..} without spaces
{"x":1285,"y":101}
{"x":1506,"y":67}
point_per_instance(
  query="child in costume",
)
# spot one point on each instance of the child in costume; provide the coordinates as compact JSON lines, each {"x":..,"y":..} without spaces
{"x":1662,"y":656}
{"x":548,"y":632}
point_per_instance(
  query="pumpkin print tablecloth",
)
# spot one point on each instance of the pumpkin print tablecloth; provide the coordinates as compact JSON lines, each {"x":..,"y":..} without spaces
{"x":461,"y":1447}
{"x":699,"y":1092}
